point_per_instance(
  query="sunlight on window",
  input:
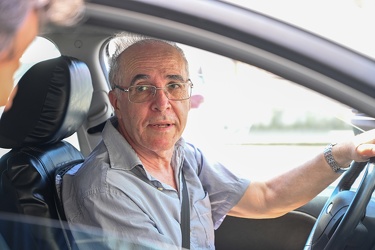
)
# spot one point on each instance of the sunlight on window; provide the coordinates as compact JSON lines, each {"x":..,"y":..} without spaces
{"x":251,"y":120}
{"x":344,"y":21}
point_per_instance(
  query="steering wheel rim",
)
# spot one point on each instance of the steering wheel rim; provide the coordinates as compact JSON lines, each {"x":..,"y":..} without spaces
{"x":344,"y":209}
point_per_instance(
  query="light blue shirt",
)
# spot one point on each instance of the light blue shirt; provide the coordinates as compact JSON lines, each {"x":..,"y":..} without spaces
{"x":112,"y":191}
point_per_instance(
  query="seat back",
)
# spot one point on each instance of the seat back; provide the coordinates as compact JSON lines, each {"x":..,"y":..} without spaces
{"x":52,"y":102}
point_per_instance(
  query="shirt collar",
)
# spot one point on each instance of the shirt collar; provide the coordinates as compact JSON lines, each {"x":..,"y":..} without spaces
{"x":121,"y":154}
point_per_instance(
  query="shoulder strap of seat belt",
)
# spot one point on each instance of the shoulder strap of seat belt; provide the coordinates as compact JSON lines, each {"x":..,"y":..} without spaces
{"x":185,"y":215}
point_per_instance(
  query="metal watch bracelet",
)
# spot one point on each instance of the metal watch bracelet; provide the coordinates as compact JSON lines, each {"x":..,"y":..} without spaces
{"x":331,"y":161}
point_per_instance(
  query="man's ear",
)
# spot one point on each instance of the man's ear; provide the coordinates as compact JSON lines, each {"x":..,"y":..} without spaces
{"x":114,"y":102}
{"x":113,"y":99}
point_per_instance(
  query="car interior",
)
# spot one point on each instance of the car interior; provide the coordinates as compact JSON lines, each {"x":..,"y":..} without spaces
{"x":39,"y":156}
{"x":65,"y":99}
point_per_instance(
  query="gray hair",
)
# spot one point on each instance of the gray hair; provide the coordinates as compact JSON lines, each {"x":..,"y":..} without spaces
{"x":123,"y":41}
{"x":14,"y":12}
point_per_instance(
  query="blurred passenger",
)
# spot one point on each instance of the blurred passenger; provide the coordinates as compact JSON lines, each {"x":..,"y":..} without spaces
{"x":20,"y":22}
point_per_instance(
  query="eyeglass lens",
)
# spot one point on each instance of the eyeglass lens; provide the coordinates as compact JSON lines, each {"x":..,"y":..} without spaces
{"x":173,"y":91}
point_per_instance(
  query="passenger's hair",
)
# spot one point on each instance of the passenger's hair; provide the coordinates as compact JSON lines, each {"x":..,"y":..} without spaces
{"x":14,"y":12}
{"x":123,"y":41}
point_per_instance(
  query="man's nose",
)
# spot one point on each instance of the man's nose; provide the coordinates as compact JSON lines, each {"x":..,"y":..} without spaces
{"x":161,"y":101}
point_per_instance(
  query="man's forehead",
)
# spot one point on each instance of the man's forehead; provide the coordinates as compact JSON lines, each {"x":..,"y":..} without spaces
{"x":150,"y":68}
{"x":150,"y":52}
{"x":148,"y":60}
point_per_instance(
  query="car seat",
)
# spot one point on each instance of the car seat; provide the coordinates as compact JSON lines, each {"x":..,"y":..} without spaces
{"x":51,"y":103}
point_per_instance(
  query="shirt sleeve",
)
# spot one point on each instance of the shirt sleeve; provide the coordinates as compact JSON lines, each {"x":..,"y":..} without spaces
{"x":224,"y":188}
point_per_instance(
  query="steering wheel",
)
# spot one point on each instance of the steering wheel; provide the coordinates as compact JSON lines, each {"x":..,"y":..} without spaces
{"x":344,"y":210}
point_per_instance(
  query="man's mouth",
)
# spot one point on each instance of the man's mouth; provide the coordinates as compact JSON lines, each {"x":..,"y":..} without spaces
{"x":161,"y":125}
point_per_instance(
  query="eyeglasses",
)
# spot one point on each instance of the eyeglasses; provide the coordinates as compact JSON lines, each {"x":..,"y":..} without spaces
{"x":177,"y":91}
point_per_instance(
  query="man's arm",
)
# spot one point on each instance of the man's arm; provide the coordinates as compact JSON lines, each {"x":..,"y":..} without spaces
{"x":296,"y":187}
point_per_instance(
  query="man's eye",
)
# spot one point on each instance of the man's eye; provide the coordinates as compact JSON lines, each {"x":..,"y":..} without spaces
{"x":141,"y":88}
{"x":174,"y":85}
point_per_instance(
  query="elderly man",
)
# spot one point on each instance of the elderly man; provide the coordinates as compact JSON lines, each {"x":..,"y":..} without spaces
{"x":132,"y":183}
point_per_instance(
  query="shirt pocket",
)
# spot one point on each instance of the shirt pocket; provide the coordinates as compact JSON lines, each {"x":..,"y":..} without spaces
{"x":201,"y":225}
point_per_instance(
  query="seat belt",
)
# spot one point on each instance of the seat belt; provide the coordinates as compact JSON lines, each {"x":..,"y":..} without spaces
{"x":185,"y":215}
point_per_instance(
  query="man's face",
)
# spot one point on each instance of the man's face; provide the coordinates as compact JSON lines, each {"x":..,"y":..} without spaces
{"x":156,"y":125}
{"x":9,"y":58}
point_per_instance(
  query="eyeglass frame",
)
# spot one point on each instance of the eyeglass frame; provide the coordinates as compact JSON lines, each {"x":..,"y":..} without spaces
{"x":126,"y":90}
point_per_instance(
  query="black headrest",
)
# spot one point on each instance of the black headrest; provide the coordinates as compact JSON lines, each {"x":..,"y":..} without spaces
{"x":52,"y":102}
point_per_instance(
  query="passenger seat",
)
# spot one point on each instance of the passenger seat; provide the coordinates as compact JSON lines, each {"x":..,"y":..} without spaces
{"x":51,"y":103}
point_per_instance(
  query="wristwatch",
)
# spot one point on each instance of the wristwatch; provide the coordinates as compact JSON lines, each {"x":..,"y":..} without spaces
{"x":331,"y":161}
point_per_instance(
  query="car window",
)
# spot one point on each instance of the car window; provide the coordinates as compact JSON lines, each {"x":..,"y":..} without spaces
{"x":253,"y":120}
{"x":256,"y":123}
{"x":32,"y":56}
